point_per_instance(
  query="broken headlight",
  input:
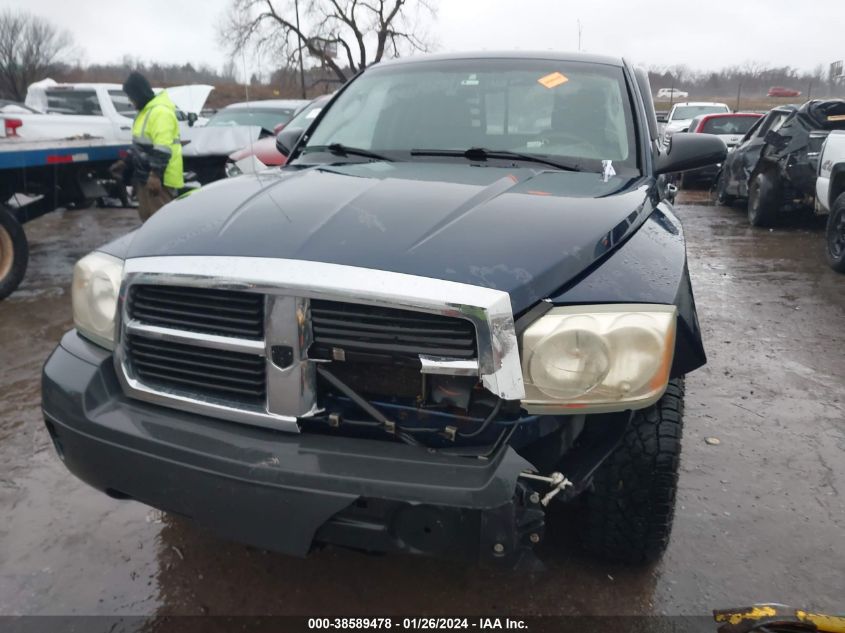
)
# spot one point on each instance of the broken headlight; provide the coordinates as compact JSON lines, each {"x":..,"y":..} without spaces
{"x":96,"y":285}
{"x":598,"y":358}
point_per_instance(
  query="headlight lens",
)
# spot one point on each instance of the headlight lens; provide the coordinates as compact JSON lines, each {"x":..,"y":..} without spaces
{"x":96,"y":285}
{"x":232,"y":169}
{"x":600,"y":358}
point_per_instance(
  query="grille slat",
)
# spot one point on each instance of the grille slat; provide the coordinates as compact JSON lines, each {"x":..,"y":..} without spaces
{"x":234,"y":297}
{"x":327,"y":323}
{"x":390,"y":331}
{"x":199,"y":370}
{"x":212,"y":369}
{"x":168,"y":379}
{"x":397,"y":336}
{"x":210,"y":311}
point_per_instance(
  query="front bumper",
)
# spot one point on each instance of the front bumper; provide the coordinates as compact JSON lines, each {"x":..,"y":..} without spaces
{"x":277,"y":490}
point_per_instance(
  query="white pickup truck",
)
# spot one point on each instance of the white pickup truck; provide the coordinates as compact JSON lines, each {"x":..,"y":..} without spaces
{"x":830,"y":196}
{"x":99,"y":110}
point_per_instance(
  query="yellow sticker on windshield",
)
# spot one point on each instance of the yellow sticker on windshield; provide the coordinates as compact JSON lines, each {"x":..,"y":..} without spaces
{"x":553,"y":80}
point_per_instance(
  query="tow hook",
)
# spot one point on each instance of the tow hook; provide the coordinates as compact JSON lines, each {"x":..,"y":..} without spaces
{"x":556,"y":480}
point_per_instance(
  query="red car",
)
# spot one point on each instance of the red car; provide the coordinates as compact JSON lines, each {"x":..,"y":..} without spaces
{"x":265,"y":150}
{"x":780,"y":91}
{"x":728,"y":126}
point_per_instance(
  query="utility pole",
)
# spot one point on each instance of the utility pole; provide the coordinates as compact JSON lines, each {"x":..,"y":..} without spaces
{"x":301,"y":61}
{"x":738,"y":96}
{"x":579,"y":35}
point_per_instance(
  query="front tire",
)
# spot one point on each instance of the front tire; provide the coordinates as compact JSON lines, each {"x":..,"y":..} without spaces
{"x":14,"y":252}
{"x":630,"y":509}
{"x":764,"y":199}
{"x":835,"y":235}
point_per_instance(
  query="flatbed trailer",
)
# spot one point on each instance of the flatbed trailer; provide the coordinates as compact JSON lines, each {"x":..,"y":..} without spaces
{"x":37,"y":177}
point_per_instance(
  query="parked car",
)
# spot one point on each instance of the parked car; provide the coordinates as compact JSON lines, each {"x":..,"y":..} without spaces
{"x":231,"y":129}
{"x":265,"y":150}
{"x":780,"y":91}
{"x":830,"y":196}
{"x":682,"y":114}
{"x":98,"y":110}
{"x":775,"y":165}
{"x":671,"y":93}
{"x":433,"y":323}
{"x":730,"y":127}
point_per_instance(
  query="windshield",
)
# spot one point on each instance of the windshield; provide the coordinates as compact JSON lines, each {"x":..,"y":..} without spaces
{"x":266,"y":118}
{"x":729,"y":125}
{"x":548,"y":108}
{"x":310,"y":112}
{"x":122,"y":103}
{"x":684,"y":113}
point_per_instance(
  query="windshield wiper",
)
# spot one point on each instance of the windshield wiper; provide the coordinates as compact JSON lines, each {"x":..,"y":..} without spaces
{"x":481,"y":153}
{"x":339,"y":149}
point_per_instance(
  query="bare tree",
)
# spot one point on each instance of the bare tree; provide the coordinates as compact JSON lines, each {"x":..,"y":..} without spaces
{"x":345,"y":36}
{"x":30,"y":47}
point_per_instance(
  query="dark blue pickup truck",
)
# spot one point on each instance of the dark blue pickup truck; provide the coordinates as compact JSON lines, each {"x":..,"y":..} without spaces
{"x":464,"y":300}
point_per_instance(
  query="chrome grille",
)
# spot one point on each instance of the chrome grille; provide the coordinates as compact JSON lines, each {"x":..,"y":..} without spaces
{"x":208,"y":310}
{"x":186,"y":339}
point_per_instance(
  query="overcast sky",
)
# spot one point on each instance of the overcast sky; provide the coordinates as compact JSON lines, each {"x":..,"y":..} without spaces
{"x":703,"y":35}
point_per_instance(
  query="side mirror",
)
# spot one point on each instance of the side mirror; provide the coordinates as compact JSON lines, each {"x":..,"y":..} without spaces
{"x":287,"y":139}
{"x":662,"y":116}
{"x":192,"y":118}
{"x":690,"y":151}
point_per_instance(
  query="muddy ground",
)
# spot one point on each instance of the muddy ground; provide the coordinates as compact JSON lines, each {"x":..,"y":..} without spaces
{"x":760,"y":516}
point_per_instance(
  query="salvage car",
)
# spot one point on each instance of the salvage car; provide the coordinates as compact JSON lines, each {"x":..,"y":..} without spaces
{"x":730,"y":127}
{"x":830,"y":197}
{"x":264,"y":149}
{"x":462,"y":301}
{"x":230,"y":129}
{"x":775,"y":165}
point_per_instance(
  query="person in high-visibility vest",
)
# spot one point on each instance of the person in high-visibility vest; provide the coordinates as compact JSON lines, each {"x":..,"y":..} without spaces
{"x":156,"y":167}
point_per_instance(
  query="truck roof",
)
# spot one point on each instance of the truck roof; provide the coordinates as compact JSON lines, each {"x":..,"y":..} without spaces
{"x":552,"y":55}
{"x":82,"y":86}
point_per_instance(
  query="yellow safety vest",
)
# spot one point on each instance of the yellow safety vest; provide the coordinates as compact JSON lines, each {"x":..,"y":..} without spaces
{"x":156,"y":127}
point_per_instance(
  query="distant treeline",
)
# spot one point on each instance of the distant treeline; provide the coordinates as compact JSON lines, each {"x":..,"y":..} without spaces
{"x":282,"y":83}
{"x":753,"y":79}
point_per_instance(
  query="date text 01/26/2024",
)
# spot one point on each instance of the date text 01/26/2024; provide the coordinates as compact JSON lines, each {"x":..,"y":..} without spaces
{"x":418,"y":624}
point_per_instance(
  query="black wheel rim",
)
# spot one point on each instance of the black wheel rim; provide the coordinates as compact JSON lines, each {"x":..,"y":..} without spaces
{"x":836,"y":235}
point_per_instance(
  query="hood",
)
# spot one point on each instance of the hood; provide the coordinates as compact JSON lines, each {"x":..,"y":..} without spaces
{"x":219,"y":140}
{"x":190,"y":99}
{"x":523,"y":231}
